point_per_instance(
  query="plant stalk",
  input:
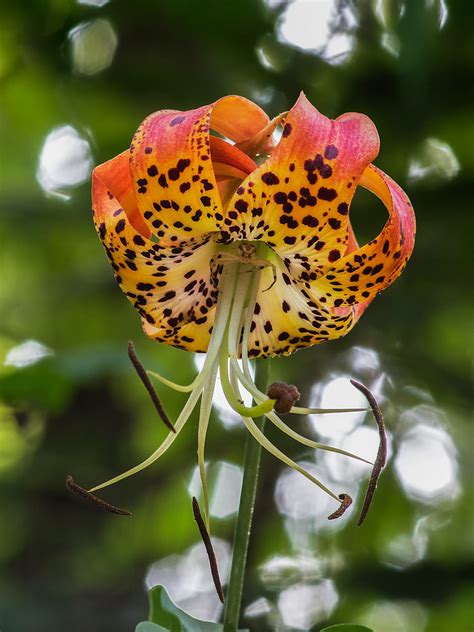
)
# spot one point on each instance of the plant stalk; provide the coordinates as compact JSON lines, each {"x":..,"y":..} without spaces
{"x":246,"y":507}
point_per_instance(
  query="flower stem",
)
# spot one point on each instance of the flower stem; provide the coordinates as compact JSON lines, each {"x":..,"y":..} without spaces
{"x":244,"y":518}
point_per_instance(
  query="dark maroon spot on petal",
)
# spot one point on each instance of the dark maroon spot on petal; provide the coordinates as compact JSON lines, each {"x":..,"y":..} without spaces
{"x":148,"y":150}
{"x":343,"y":208}
{"x":286,"y":130}
{"x":309,"y":220}
{"x":327,"y":194}
{"x":162,"y":181}
{"x":325,"y":171}
{"x":120,"y":226}
{"x":334,"y":255}
{"x":334,"y":223}
{"x":270,"y":178}
{"x":289,"y":240}
{"x":173,"y":173}
{"x":241,"y":206}
{"x":177,"y":120}
{"x":184,"y":187}
{"x":182,"y":164}
{"x":280,"y":197}
{"x":268,"y":327}
{"x":331,"y":152}
{"x":152,"y":171}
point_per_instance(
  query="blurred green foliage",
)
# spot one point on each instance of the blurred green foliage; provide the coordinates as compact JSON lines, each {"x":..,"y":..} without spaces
{"x":82,"y":410}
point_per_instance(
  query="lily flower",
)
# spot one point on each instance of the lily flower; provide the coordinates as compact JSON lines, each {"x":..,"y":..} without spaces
{"x":232,"y":243}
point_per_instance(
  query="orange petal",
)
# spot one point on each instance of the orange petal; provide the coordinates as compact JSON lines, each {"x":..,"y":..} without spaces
{"x":298,"y":200}
{"x":361,"y":275}
{"x":112,"y":187}
{"x":227,"y":154}
{"x":172,"y":288}
{"x":237,"y":118}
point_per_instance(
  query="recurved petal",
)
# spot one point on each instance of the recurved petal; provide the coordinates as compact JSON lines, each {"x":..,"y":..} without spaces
{"x":287,"y":318}
{"x":172,"y":288}
{"x":171,"y":165}
{"x":112,"y":189}
{"x":298,"y":200}
{"x":361,"y":275}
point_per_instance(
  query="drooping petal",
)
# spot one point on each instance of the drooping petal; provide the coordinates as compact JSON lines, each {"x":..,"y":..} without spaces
{"x":115,"y":175}
{"x":298,"y":200}
{"x":361,"y":275}
{"x":286,"y":318}
{"x":171,"y":166}
{"x":172,"y":288}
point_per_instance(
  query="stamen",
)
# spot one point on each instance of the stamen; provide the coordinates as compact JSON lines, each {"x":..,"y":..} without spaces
{"x":76,"y":489}
{"x":209,"y":548}
{"x":346,"y":502}
{"x":142,"y":374}
{"x":220,"y":323}
{"x":381,"y":457}
{"x":204,"y":414}
{"x":297,"y":410}
{"x":285,"y":395}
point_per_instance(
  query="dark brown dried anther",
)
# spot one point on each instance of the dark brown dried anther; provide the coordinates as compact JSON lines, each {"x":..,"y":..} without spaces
{"x":209,"y":548}
{"x":285,"y":396}
{"x":76,"y":489}
{"x":142,"y":374}
{"x":381,"y":457}
{"x":346,"y":502}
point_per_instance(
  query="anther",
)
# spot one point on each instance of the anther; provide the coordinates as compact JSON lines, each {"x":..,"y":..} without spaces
{"x":142,"y":374}
{"x":209,"y":548}
{"x":285,"y":395}
{"x":346,"y":502}
{"x":381,"y":457}
{"x":76,"y":489}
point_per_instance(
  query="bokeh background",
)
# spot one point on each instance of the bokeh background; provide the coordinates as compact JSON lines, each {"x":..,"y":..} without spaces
{"x":76,"y":78}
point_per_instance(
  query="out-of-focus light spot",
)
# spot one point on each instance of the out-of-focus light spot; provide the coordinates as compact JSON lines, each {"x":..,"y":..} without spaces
{"x":389,"y":13}
{"x":227,"y":416}
{"x":282,"y":570}
{"x":65,"y":161}
{"x":338,"y":392}
{"x":391,"y":43}
{"x":435,"y":163}
{"x":303,"y":605}
{"x":188,"y":581}
{"x":364,"y":360}
{"x":264,"y":58}
{"x":224,"y":481}
{"x":27,"y":353}
{"x":17,"y":441}
{"x":323,"y":27}
{"x":93,"y":3}
{"x":93,"y":46}
{"x":263,"y":96}
{"x":408,"y":548}
{"x":305,"y":506}
{"x":389,"y":616}
{"x":226,"y":491}
{"x":364,"y":442}
{"x":426,"y":461}
{"x":259,"y":608}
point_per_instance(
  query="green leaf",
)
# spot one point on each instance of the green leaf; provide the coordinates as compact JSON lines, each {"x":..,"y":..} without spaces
{"x":146,"y":626}
{"x":167,"y":614}
{"x":346,"y":627}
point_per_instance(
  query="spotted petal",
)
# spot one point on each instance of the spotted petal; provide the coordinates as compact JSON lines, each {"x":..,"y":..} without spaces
{"x":365,"y":272}
{"x":172,"y":288}
{"x":298,"y":200}
{"x":171,"y":167}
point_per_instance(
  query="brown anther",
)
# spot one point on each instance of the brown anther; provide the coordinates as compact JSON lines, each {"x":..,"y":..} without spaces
{"x":285,"y":395}
{"x":209,"y":548}
{"x":381,"y":457}
{"x":346,"y":502}
{"x":93,"y":499}
{"x":142,"y":374}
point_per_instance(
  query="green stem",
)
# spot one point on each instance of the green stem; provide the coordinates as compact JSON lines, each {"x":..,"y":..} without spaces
{"x":244,"y":518}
